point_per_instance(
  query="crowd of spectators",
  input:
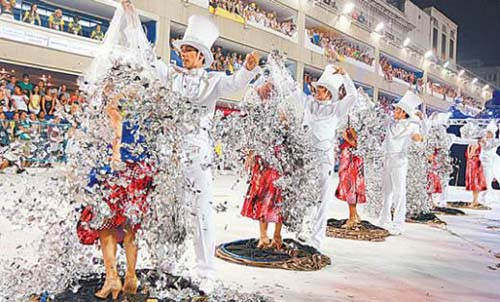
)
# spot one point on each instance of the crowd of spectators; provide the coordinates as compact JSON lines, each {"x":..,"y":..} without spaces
{"x":31,"y":111}
{"x":56,"y":22}
{"x":336,"y":45}
{"x":390,"y":72}
{"x":446,"y":92}
{"x":251,"y":12}
{"x":386,"y":102}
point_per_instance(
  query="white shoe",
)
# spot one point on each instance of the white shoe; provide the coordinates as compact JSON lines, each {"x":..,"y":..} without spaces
{"x":396,"y":231}
{"x":208,"y":285}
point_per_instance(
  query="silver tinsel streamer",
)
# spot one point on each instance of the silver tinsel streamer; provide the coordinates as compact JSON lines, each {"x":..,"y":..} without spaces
{"x":417,"y":201}
{"x":438,"y":143}
{"x":272,"y":130}
{"x":370,"y":123}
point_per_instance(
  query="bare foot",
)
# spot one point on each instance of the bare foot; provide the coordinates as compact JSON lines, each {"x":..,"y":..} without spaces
{"x":350,"y":223}
{"x":264,"y":242}
{"x":277,"y":243}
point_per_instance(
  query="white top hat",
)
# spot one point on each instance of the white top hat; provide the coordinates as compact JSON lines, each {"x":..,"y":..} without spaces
{"x":201,"y":34}
{"x":409,"y":103}
{"x":330,"y":80}
{"x":492,"y":127}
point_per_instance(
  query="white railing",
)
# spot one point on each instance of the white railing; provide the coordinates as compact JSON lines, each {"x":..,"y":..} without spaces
{"x":48,"y":38}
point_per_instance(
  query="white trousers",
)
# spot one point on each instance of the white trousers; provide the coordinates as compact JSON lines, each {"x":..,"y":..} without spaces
{"x":394,"y":189}
{"x":491,"y":172}
{"x":198,"y":172}
{"x":326,"y":194}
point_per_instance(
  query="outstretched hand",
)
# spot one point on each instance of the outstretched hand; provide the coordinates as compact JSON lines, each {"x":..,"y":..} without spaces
{"x":252,"y":60}
{"x":127,"y":5}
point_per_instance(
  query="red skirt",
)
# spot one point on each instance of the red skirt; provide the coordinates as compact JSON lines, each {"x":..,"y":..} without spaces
{"x":263,"y":200}
{"x":433,"y":180}
{"x":128,"y":187}
{"x":351,"y":186}
{"x":474,"y":174}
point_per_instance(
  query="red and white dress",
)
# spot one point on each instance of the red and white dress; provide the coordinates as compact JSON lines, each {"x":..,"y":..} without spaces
{"x":474,"y":173}
{"x":263,"y":201}
{"x":433,"y":180}
{"x":351,"y":186}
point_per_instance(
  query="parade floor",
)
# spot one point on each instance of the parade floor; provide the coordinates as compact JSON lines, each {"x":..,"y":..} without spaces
{"x":427,"y":263}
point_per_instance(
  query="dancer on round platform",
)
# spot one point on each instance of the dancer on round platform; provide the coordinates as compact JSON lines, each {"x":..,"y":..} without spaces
{"x":351,"y":187}
{"x":129,"y":182}
{"x":474,"y":172}
{"x":263,"y":201}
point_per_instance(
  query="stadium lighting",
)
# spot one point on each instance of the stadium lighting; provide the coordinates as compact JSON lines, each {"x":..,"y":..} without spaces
{"x":428,"y":54}
{"x":461,"y":73}
{"x":379,"y":27}
{"x":406,"y":42}
{"x":348,"y":8}
{"x":474,"y":81}
{"x":446,"y":64}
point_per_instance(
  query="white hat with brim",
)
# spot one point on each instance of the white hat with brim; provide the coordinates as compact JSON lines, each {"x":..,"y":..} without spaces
{"x":330,"y":80}
{"x":409,"y":103}
{"x":201,"y":34}
{"x":492,"y":127}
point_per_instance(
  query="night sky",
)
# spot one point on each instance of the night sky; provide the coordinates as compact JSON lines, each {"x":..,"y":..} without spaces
{"x":478,"y":27}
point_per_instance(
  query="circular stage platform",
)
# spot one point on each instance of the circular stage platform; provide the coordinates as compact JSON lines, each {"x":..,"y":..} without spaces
{"x":363,"y":231}
{"x":294,"y":255}
{"x":466,"y":205}
{"x":448,"y":211}
{"x":147,"y":278}
{"x":428,"y":218}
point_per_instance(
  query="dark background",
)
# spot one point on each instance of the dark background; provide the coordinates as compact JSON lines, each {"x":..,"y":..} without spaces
{"x":478,"y":27}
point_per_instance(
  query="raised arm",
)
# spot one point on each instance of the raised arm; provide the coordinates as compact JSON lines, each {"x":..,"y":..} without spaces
{"x":345,"y":105}
{"x":230,"y":84}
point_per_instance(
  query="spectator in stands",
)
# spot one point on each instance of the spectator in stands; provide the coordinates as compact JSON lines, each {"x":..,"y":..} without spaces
{"x":49,"y":102}
{"x":35,"y":102}
{"x":41,"y":116}
{"x":26,"y":85}
{"x":4,"y":130}
{"x":19,"y":101}
{"x":361,"y":18}
{"x":97,"y":33}
{"x":4,"y":100}
{"x":56,"y":20}
{"x":32,"y":17}
{"x":74,"y":27}
{"x":12,"y":84}
{"x":41,"y":86}
{"x":64,"y":90}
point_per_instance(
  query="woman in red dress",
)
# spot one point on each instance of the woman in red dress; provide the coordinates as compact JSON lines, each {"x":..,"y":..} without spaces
{"x":128,"y":189}
{"x":474,"y":174}
{"x":433,"y":180}
{"x":263,"y":201}
{"x":351,"y":187}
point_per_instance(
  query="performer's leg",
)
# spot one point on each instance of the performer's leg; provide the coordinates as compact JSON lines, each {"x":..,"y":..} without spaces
{"x":475,"y":199}
{"x":319,"y":227}
{"x":353,"y":217}
{"x":388,"y":193}
{"x":204,"y":243}
{"x":112,"y":285}
{"x":488,"y":175}
{"x":277,"y":242}
{"x":131,"y":281}
{"x":264,"y":241}
{"x":400,"y":196}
